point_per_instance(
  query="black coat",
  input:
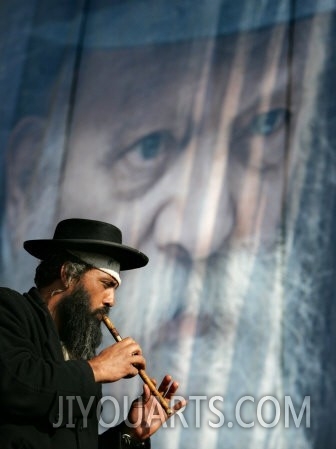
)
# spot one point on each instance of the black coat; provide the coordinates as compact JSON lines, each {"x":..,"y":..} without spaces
{"x":41,"y":395}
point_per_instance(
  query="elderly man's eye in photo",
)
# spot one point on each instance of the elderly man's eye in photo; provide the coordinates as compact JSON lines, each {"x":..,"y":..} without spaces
{"x":269,"y":122}
{"x":260,"y":142}
{"x":143,"y":162}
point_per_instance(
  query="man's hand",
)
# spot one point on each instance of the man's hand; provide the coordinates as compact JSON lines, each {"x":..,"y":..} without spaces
{"x":146,"y":415}
{"x":123,"y":359}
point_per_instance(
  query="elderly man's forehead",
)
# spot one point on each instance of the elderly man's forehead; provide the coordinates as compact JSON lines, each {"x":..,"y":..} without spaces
{"x":117,"y":60}
{"x":185,"y":58}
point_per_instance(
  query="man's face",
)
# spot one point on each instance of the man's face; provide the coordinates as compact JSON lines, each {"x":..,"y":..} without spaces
{"x":101,"y":288}
{"x":178,"y":135}
{"x":186,"y":147}
{"x":78,"y":313}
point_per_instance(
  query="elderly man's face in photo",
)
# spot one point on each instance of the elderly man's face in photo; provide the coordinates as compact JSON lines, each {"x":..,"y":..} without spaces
{"x":188,"y":148}
{"x":190,"y":137}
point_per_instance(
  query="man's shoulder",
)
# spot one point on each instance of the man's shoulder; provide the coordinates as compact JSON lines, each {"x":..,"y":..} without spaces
{"x":14,"y":303}
{"x":9,"y":296}
{"x":6,"y":292}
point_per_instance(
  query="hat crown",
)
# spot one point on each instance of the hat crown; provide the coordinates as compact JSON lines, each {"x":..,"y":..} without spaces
{"x":79,"y":228}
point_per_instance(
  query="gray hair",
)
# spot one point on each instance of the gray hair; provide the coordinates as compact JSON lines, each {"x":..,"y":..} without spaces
{"x":49,"y":270}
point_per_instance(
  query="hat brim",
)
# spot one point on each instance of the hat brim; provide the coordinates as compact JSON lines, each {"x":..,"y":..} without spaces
{"x":129,"y":258}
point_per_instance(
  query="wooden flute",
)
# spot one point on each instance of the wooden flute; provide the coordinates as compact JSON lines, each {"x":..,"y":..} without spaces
{"x":142,"y":373}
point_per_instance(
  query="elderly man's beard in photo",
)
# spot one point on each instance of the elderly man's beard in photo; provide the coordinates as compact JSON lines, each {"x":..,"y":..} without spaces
{"x":219,"y":330}
{"x":80,"y":330}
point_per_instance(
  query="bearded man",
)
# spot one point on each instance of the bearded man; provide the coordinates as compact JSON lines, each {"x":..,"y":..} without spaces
{"x":51,"y":377}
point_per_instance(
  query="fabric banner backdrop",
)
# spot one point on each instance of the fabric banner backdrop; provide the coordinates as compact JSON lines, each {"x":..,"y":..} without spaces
{"x":206,"y":131}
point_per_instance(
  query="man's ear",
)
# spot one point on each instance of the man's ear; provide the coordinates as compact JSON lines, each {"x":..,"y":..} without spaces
{"x":65,"y":275}
{"x":22,"y":176}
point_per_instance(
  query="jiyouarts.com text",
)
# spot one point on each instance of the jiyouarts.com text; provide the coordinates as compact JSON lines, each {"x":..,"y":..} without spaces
{"x":267,"y":411}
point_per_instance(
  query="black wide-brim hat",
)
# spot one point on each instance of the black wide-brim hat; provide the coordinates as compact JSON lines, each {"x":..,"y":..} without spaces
{"x":89,"y":236}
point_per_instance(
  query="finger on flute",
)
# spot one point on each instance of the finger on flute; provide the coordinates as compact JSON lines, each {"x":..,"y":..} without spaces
{"x":142,"y":373}
{"x":163,"y":401}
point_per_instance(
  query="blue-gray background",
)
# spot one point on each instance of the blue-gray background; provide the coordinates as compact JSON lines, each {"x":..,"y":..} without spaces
{"x":206,"y":131}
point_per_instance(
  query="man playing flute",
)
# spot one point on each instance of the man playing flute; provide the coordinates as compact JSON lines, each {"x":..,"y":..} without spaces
{"x":50,"y":374}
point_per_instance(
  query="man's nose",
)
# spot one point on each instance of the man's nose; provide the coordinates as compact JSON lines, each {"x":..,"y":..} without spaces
{"x":197,"y":216}
{"x":109,"y":300}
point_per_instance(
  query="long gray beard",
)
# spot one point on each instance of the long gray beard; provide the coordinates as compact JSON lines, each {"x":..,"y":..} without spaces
{"x":224,"y":336}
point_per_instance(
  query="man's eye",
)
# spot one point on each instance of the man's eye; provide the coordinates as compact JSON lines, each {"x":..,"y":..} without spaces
{"x":259,"y":142}
{"x":110,"y":284}
{"x":141,"y":164}
{"x":268,"y":122}
{"x":150,"y":146}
